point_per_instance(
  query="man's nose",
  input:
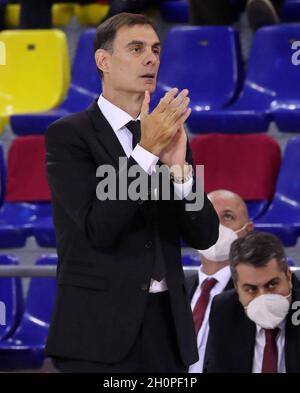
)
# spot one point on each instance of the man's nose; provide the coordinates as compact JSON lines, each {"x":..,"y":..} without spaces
{"x":151,"y":57}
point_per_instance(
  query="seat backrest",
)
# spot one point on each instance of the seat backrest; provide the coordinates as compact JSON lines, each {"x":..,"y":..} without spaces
{"x":41,"y":294}
{"x":84,"y":70}
{"x":11,"y":299}
{"x":270,"y":69}
{"x":288,"y":184}
{"x":245,"y":164}
{"x":206,"y":60}
{"x":36,"y":75}
{"x":26,"y":173}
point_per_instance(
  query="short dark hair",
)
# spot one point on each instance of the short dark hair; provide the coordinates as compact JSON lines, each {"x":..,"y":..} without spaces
{"x":257,"y":249}
{"x":106,"y":31}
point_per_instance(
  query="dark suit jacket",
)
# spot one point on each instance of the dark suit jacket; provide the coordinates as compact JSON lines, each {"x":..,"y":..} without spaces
{"x":105,"y":248}
{"x":231,"y":341}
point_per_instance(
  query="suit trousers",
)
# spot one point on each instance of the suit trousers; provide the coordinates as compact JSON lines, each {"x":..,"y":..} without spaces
{"x":154,"y":351}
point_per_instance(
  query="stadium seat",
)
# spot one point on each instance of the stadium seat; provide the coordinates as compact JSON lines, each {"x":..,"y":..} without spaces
{"x":291,"y":261}
{"x":61,"y":14}
{"x":11,"y":299}
{"x":175,"y":11}
{"x":84,"y":88}
{"x":283,"y":215}
{"x":245,"y":164}
{"x":26,"y":210}
{"x":286,"y":104}
{"x":190,"y":260}
{"x":25,"y":348}
{"x":212,"y":74}
{"x":36,"y":75}
{"x":263,"y":90}
{"x":290,"y":10}
{"x":90,"y":14}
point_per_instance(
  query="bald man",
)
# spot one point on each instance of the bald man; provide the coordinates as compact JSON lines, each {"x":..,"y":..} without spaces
{"x":213,"y":276}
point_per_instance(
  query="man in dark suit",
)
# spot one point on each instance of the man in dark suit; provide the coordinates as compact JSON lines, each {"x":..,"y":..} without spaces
{"x":121,"y":302}
{"x":255,"y":327}
{"x":233,"y":214}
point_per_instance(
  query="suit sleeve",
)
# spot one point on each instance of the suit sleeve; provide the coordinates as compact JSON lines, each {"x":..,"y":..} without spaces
{"x":199,"y":228}
{"x":71,"y":174}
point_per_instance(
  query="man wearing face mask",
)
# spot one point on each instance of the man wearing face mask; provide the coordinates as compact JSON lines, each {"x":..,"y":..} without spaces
{"x":251,"y":326}
{"x":214,"y":275}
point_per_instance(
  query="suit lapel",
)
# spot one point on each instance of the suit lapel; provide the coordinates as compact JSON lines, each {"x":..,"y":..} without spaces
{"x":243,"y":341}
{"x":292,"y":335}
{"x":105,"y":134}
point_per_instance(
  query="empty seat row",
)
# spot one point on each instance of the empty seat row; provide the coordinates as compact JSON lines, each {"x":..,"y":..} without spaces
{"x":87,"y":15}
{"x":177,"y":11}
{"x":207,"y":61}
{"x":24,"y":334}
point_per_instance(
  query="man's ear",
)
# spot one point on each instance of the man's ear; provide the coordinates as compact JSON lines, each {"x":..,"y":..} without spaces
{"x":250,"y":227}
{"x":102,"y":57}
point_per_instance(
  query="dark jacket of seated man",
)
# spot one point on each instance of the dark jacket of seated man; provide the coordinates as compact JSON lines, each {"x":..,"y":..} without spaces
{"x":237,"y":344}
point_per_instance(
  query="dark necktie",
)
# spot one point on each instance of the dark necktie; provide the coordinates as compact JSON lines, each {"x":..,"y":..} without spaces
{"x":150,"y":213}
{"x":270,"y":359}
{"x":135,"y":128}
{"x":202,"y":302}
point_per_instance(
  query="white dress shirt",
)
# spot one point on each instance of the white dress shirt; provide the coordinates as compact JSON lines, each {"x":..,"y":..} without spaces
{"x":260,"y":341}
{"x":117,"y":118}
{"x":222,"y":277}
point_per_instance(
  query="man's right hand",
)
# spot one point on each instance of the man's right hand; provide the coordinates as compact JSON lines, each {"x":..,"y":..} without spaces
{"x":159,"y":127}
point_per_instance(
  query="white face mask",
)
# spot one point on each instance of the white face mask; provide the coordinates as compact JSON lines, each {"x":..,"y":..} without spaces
{"x":219,"y":252}
{"x":269,"y":310}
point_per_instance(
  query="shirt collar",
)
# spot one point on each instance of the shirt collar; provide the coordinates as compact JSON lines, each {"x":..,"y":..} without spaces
{"x":116,"y":117}
{"x":281,"y":327}
{"x":222,"y":276}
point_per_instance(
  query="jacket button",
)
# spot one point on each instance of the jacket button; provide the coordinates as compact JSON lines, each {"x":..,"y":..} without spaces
{"x":144,"y":287}
{"x":140,"y":202}
{"x":148,"y":244}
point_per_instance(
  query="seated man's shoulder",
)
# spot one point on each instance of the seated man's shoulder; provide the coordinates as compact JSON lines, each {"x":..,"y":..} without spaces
{"x":225,"y":302}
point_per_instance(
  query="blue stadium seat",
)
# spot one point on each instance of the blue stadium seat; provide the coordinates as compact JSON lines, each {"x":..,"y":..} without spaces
{"x":42,"y":228}
{"x":84,"y":88}
{"x":290,"y":10}
{"x":263,"y":90}
{"x":283,"y":215}
{"x":11,"y":299}
{"x":25,"y":348}
{"x":190,"y":260}
{"x":212,"y":74}
{"x":291,"y":261}
{"x":176,"y":11}
{"x":286,"y":106}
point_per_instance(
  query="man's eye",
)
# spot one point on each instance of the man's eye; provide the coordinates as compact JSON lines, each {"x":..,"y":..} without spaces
{"x":228,"y":217}
{"x":250,"y":290}
{"x":136,"y":49}
{"x":272,"y":285}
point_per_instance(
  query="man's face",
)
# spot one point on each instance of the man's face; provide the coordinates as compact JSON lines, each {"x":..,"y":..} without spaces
{"x":133,"y":64}
{"x":253,"y":282}
{"x":232,"y":215}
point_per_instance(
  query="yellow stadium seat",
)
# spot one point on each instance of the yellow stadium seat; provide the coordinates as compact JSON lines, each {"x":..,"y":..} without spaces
{"x":37,"y":71}
{"x":90,"y":14}
{"x":62,"y":13}
{"x":12,"y":15}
